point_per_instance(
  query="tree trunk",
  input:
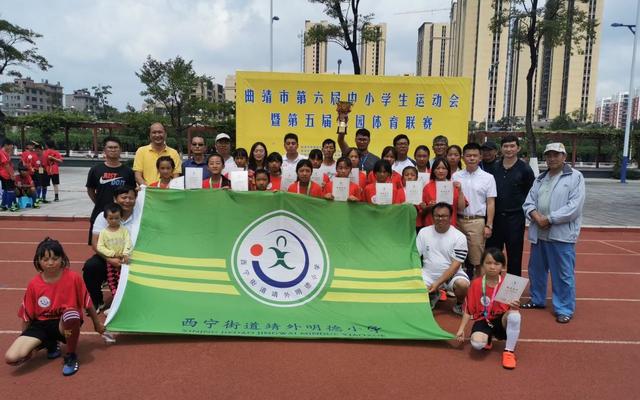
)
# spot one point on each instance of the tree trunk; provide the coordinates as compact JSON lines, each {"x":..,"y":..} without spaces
{"x":528,"y":122}
{"x":355,"y":59}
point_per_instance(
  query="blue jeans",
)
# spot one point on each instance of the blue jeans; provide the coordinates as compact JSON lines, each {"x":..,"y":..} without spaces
{"x":560,"y":259}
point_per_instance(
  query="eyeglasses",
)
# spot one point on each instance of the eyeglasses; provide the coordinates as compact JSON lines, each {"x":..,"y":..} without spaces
{"x":440,"y":216}
{"x":197,"y":144}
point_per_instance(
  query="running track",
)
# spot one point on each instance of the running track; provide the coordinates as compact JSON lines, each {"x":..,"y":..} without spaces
{"x":596,"y":356}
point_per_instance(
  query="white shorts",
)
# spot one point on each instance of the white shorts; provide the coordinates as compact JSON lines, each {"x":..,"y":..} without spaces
{"x":448,"y":285}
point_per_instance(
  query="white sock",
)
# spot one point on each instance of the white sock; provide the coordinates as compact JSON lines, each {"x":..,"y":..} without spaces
{"x":513,"y":330}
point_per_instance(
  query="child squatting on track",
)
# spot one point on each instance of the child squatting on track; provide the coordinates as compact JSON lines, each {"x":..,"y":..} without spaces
{"x":51,"y":310}
{"x":492,"y":319}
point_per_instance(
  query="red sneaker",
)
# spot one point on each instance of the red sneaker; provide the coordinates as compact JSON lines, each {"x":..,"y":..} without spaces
{"x":508,"y":360}
{"x":443,"y":295}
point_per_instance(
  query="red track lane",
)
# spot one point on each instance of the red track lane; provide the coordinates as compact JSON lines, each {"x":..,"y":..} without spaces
{"x":215,"y":367}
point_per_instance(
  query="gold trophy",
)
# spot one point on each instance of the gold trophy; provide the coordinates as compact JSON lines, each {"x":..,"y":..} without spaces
{"x":343,"y":108}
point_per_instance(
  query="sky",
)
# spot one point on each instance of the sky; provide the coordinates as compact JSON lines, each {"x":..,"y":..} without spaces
{"x":106,"y":41}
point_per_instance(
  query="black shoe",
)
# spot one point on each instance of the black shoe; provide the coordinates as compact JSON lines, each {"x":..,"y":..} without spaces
{"x":56,"y":199}
{"x":45,"y":201}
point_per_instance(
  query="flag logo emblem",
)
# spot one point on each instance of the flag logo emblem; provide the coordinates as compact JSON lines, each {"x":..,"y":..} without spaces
{"x":280,"y":260}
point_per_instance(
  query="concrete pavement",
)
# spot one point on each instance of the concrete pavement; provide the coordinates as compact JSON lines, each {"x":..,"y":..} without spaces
{"x":608,"y":203}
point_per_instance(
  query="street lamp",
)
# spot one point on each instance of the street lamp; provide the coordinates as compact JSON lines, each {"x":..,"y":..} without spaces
{"x":273,"y":18}
{"x":627,"y":126}
{"x":339,"y":64}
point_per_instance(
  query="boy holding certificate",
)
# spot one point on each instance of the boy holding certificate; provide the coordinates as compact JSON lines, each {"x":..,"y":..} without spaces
{"x":492,"y":318}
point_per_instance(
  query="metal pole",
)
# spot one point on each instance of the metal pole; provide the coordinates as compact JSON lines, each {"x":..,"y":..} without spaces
{"x":627,"y":128}
{"x":271,"y":36}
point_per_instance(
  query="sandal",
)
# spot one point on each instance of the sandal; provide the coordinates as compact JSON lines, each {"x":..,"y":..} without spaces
{"x":528,"y":306}
{"x":563,"y":319}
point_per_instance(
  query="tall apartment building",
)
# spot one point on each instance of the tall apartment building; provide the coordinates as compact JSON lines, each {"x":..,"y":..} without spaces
{"x":81,"y":100}
{"x":564,"y":82}
{"x":315,"y":55}
{"x":372,"y":53}
{"x":209,"y":91}
{"x":32,"y":97}
{"x":230,"y":88}
{"x":433,"y":49}
{"x":603,"y":111}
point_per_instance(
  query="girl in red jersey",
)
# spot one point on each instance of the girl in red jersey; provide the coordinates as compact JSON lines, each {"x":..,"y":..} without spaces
{"x":215,"y":165}
{"x":411,"y":174}
{"x":262,"y":180}
{"x":440,"y":172}
{"x":492,"y":319}
{"x":343,"y":170}
{"x":382,"y":170}
{"x":421,"y":155}
{"x":165,"y":166}
{"x":274,"y":164}
{"x":304,"y":185}
{"x":51,"y":309}
{"x":388,"y":153}
{"x":354,"y":156}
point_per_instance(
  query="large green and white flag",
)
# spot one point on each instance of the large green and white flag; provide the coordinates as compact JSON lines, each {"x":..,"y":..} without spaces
{"x":273,"y":264}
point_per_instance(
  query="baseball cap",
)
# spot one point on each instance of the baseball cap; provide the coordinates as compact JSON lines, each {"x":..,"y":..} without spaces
{"x":559,"y":147}
{"x":221,"y":136}
{"x":489,"y":146}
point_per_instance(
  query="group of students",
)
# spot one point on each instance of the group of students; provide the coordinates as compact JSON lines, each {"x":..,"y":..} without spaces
{"x":37,"y":170}
{"x":52,"y":309}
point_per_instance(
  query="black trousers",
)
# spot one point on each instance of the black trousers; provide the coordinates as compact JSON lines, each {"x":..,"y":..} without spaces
{"x":508,"y":231}
{"x":94,"y":273}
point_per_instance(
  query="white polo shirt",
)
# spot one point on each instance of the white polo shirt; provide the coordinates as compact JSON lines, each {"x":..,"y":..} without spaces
{"x":439,"y":250}
{"x":286,"y":163}
{"x":399,"y":166}
{"x":477,"y":187}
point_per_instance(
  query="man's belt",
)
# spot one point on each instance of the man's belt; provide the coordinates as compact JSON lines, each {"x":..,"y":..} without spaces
{"x":470,"y":217}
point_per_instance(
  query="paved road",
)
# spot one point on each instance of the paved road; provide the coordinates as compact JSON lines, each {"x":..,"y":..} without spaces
{"x":609,"y":203}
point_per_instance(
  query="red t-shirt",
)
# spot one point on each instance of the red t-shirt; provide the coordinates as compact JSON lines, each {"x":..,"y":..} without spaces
{"x":159,"y":185}
{"x":397,"y":196}
{"x":474,"y":307}
{"x":30,"y":160}
{"x":43,"y":301}
{"x":222,"y":183}
{"x":5,"y":160}
{"x":24,"y":181}
{"x":274,"y":182}
{"x":395,"y":178}
{"x":51,"y":166}
{"x":429,"y":195}
{"x":354,"y":190}
{"x":314,"y":190}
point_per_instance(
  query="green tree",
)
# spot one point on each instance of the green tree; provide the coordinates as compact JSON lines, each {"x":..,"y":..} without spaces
{"x":48,"y":123}
{"x":171,"y":83}
{"x":17,"y":50}
{"x":350,"y":24}
{"x":104,"y":109}
{"x":563,"y":123}
{"x":539,"y":23}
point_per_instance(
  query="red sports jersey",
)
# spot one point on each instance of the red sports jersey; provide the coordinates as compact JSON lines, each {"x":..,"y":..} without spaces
{"x":5,"y":159}
{"x":43,"y":301}
{"x":274,"y":182}
{"x":474,"y":307}
{"x":210,"y":184}
{"x":397,"y":196}
{"x":51,"y":166}
{"x":26,"y":181}
{"x":429,"y":195}
{"x":30,"y":160}
{"x":314,"y":189}
{"x":354,"y":190}
{"x":159,"y":185}
{"x":395,"y":178}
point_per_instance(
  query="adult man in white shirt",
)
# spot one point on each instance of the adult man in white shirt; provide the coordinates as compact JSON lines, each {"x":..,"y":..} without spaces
{"x":443,"y":249}
{"x":401,"y":144}
{"x":223,"y":147}
{"x":479,"y":188}
{"x":291,"y":158}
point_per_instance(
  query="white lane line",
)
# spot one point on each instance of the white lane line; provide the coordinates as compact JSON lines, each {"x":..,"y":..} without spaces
{"x":607,"y":240}
{"x":579,"y":253}
{"x":596,"y":299}
{"x":36,"y":229}
{"x":618,"y":247}
{"x":600,"y":272}
{"x":558,"y":341}
{"x":31,"y":261}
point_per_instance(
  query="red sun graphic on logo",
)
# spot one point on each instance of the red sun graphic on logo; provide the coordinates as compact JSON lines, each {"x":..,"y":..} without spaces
{"x":256,"y":250}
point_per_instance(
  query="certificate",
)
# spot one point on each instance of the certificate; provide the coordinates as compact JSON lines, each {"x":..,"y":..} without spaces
{"x":511,"y":289}
{"x":316,"y":176}
{"x":193,"y":178}
{"x":423,"y":178}
{"x":444,"y":192}
{"x":288,"y":177}
{"x":178,"y":183}
{"x":413,"y":192}
{"x":340,"y":190}
{"x":354,"y":176}
{"x":384,"y":193}
{"x":239,"y":181}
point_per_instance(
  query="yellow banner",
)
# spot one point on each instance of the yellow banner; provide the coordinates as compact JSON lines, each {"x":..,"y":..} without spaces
{"x":269,"y":105}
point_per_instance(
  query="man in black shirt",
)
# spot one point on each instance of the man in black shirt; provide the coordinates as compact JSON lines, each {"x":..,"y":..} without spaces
{"x":489,"y":156}
{"x":513,"y":178}
{"x":104,"y":178}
